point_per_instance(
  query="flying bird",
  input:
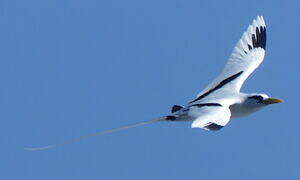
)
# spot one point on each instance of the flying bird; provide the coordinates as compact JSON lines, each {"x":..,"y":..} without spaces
{"x":221,"y":100}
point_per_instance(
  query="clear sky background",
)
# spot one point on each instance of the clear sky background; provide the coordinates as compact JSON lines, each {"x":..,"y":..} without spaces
{"x":71,"y":67}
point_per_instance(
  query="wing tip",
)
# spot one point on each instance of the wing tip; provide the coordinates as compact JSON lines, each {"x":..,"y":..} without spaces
{"x":209,"y":126}
{"x":260,"y":20}
{"x":255,"y":36}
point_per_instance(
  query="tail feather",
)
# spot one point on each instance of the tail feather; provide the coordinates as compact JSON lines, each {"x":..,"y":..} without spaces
{"x":94,"y":134}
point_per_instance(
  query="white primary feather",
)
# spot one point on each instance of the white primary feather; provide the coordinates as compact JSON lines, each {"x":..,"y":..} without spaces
{"x":224,"y":90}
{"x":242,"y":59}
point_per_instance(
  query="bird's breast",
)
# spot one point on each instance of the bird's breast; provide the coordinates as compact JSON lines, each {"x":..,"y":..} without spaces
{"x":241,"y":110}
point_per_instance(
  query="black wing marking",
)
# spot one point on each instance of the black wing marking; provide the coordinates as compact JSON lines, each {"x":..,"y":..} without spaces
{"x":176,"y":108}
{"x":207,"y":104}
{"x":213,"y":127}
{"x":220,"y":85}
{"x":259,"y":39}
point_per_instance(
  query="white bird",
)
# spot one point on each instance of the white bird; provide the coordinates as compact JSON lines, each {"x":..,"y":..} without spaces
{"x":221,"y":100}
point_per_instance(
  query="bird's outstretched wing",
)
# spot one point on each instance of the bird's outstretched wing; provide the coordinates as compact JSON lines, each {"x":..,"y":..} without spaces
{"x":245,"y":58}
{"x":210,"y":117}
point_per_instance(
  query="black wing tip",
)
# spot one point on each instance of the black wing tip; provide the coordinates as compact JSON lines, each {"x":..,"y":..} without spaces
{"x":259,"y":39}
{"x":213,"y":127}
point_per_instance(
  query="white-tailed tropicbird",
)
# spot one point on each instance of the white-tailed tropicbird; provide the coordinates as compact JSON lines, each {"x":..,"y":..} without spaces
{"x":221,"y":100}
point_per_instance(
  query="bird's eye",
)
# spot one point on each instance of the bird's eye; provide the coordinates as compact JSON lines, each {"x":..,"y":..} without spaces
{"x":258,"y":98}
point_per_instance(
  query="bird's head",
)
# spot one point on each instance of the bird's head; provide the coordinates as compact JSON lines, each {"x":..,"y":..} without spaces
{"x":262,"y":99}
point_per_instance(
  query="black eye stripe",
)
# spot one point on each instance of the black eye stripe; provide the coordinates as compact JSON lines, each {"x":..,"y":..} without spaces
{"x":259,"y":98}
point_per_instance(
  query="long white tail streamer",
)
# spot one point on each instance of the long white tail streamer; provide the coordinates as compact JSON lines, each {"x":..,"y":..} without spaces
{"x":94,"y":134}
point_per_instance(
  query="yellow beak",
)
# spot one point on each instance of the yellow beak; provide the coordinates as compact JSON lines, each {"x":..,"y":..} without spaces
{"x":272,"y":101}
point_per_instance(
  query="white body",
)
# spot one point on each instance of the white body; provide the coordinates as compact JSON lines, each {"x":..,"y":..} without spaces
{"x":221,"y":100}
{"x":245,"y":108}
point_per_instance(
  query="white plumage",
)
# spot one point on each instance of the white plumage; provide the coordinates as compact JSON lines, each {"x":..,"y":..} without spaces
{"x":242,"y":59}
{"x":221,"y":100}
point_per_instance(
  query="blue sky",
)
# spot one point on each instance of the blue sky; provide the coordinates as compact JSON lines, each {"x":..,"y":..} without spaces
{"x":70,"y":68}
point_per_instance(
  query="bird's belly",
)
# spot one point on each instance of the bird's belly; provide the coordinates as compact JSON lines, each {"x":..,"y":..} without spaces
{"x":241,"y":110}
